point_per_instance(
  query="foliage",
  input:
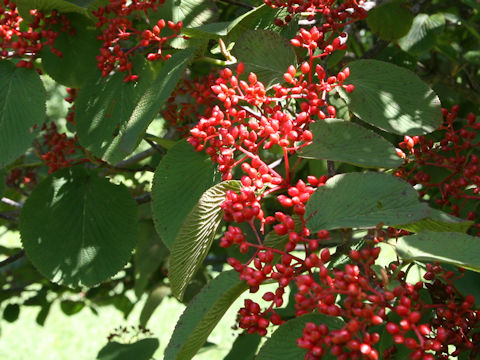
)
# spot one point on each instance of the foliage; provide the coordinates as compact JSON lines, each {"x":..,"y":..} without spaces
{"x":213,"y":147}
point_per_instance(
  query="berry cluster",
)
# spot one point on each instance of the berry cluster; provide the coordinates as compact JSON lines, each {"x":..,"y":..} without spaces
{"x":25,"y":41}
{"x":122,"y":35}
{"x":57,"y":149}
{"x":72,"y":95}
{"x":252,"y":118}
{"x":333,"y":18}
{"x":189,"y":100}
{"x":455,"y":157}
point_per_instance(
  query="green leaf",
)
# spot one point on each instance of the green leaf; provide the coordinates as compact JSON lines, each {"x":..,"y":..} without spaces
{"x":202,"y":315}
{"x":47,"y":6}
{"x":344,"y":141}
{"x":265,"y":53}
{"x":70,"y":307}
{"x":140,"y":350}
{"x":438,"y":221}
{"x":103,"y":111}
{"x":392,"y":98}
{"x":363,"y":200}
{"x":196,"y":235}
{"x":391,"y":20}
{"x":11,"y":312}
{"x":244,"y":347}
{"x":447,"y":247}
{"x":149,"y":255}
{"x":113,"y":116}
{"x":180,"y":179}
{"x":77,"y":228}
{"x":22,"y":104}
{"x":423,"y":33}
{"x":69,"y":70}
{"x":152,"y":100}
{"x":282,"y":345}
{"x":207,"y":31}
{"x":192,"y":13}
{"x":153,"y":301}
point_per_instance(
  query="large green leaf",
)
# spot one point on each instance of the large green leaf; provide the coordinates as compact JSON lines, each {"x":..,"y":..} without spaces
{"x":112,"y":116}
{"x":154,"y":299}
{"x":202,"y":314}
{"x":448,"y":247}
{"x":47,"y":6}
{"x":140,"y":350}
{"x":344,"y":141}
{"x":78,"y":62}
{"x":153,"y":99}
{"x":22,"y":105}
{"x":438,"y":221}
{"x":423,"y":33}
{"x":192,"y":13}
{"x":390,"y":20}
{"x":196,"y":235}
{"x":282,"y":345}
{"x":149,"y":255}
{"x":244,"y":347}
{"x":181,"y":178}
{"x":265,"y":53}
{"x":103,"y":109}
{"x":363,"y":200}
{"x":77,"y":228}
{"x":392,"y":98}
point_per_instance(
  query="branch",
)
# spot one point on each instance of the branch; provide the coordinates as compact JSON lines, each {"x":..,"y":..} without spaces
{"x":8,"y":217}
{"x":11,"y":202}
{"x":142,"y":199}
{"x":12,"y":258}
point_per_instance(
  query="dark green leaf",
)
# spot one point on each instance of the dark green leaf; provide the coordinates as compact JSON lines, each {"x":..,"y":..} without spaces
{"x":207,"y":31}
{"x":438,"y":221}
{"x":423,"y":33}
{"x":282,"y":345}
{"x":22,"y":104}
{"x":392,"y":98}
{"x":78,"y":62}
{"x":348,"y":142}
{"x":152,"y":100}
{"x":390,"y":20}
{"x":181,"y":178}
{"x":70,"y":307}
{"x":140,"y":350}
{"x":47,"y":6}
{"x":104,"y":110}
{"x":363,"y":200}
{"x":202,"y":314}
{"x":11,"y":312}
{"x":153,"y":301}
{"x":196,"y":235}
{"x":43,"y":313}
{"x":77,"y":228}
{"x":149,"y":255}
{"x":244,"y":347}
{"x":447,"y":247}
{"x":265,"y":53}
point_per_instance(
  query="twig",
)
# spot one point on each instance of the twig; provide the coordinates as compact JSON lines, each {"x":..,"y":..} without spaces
{"x":8,"y":217}
{"x":144,"y":198}
{"x":12,"y":258}
{"x":11,"y":202}
{"x":331,"y":168}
